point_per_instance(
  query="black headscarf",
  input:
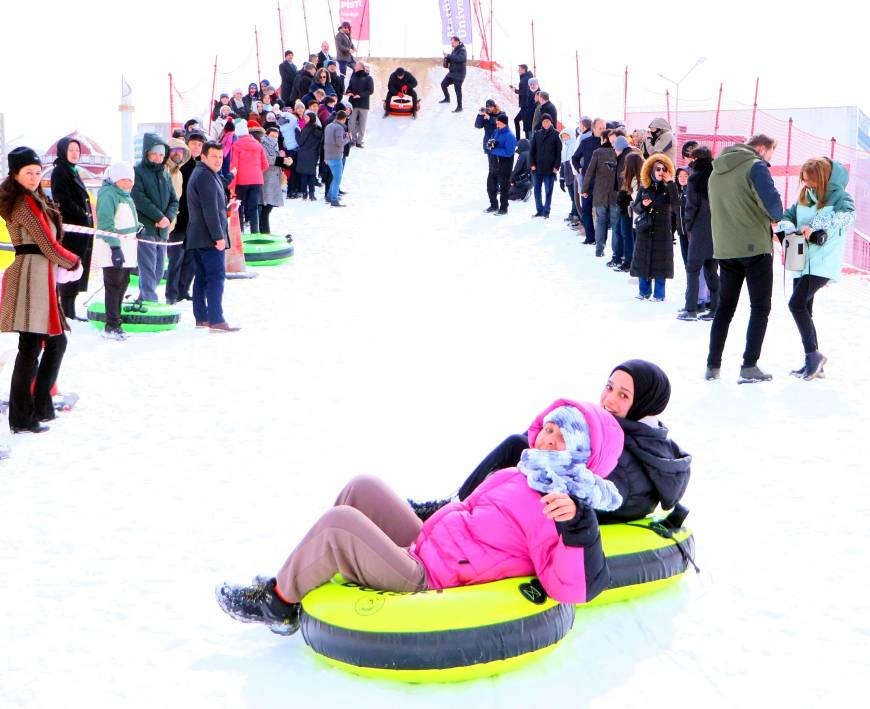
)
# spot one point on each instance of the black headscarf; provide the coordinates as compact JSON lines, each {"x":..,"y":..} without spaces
{"x":652,"y":389}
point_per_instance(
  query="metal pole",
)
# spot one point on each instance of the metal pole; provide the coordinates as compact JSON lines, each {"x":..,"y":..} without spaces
{"x":281,"y":29}
{"x":534,"y":60}
{"x":787,"y":163}
{"x":668,"y":103}
{"x":833,"y":147}
{"x":754,"y":108}
{"x":331,"y":19}
{"x":305,"y":20}
{"x":677,"y":121}
{"x":213,"y":85}
{"x":171,"y":105}
{"x":716,"y":127}
{"x":577,"y":70}
{"x":257,"y":46}
{"x":625,"y":98}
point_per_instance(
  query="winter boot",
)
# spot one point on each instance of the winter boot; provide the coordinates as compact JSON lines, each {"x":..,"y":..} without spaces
{"x":814,"y":367}
{"x":687,"y":315}
{"x":752,"y":375}
{"x":711,"y":373}
{"x":490,"y":209}
{"x":259,"y":603}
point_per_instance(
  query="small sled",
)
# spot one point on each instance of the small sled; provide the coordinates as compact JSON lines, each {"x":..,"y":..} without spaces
{"x":401,"y":105}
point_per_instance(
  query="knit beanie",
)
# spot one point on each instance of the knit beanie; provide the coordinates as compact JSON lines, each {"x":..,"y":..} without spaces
{"x":253,"y":124}
{"x":621,"y":143}
{"x":242,"y":128}
{"x":157,"y":149}
{"x":120,"y":171}
{"x":652,"y":389}
{"x":573,"y":427}
{"x":21,"y":158}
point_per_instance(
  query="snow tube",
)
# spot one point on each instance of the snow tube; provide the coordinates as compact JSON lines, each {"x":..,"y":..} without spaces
{"x":266,"y":249}
{"x":138,"y":317}
{"x":467,"y":632}
{"x":401,"y":105}
{"x":7,"y":254}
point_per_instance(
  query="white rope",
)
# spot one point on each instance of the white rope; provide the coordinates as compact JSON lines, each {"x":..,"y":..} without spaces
{"x":77,"y":229}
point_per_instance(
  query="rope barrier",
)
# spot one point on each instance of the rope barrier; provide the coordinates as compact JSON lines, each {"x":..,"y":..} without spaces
{"x":77,"y":229}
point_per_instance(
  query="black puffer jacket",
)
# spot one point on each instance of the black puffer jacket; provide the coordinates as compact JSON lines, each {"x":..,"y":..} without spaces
{"x":654,"y":242}
{"x":545,"y":151}
{"x":70,"y":194}
{"x":651,"y":470}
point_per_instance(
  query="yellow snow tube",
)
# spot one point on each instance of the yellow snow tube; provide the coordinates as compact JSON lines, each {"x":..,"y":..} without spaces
{"x":6,"y":257}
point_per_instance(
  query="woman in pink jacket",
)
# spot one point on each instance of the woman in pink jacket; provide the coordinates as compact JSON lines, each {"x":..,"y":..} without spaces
{"x":248,"y":162}
{"x":534,"y":519}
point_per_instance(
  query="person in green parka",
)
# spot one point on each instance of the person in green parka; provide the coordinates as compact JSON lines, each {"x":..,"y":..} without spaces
{"x":116,"y":213}
{"x":823,"y":205}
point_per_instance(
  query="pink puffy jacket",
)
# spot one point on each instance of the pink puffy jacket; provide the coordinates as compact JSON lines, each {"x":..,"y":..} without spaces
{"x":500,"y":530}
{"x":250,"y":159}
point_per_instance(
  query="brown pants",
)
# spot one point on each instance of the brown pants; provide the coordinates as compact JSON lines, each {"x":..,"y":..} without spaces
{"x":365,"y":538}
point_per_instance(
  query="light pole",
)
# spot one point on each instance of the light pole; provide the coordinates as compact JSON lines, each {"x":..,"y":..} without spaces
{"x":676,"y":125}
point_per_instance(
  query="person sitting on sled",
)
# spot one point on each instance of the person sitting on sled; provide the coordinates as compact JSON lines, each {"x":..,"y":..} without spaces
{"x":401,"y":82}
{"x":533,"y":519}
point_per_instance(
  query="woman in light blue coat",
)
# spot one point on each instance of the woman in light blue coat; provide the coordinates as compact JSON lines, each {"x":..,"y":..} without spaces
{"x":832,"y":213}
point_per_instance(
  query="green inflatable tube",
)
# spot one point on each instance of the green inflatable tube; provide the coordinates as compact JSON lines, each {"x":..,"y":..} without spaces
{"x":266,"y":249}
{"x":138,"y":317}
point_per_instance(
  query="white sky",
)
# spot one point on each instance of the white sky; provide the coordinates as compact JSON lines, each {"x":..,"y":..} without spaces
{"x":73,"y":54}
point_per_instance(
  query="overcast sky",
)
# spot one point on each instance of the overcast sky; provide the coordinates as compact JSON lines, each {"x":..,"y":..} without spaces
{"x":62,"y":61}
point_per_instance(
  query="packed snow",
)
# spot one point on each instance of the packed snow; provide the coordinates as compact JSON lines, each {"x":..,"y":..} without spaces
{"x":407,"y":337}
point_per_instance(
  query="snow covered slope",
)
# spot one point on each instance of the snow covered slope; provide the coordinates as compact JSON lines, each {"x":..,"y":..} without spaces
{"x":409,"y":335}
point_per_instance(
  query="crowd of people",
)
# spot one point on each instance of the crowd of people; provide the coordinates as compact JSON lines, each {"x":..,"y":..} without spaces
{"x":725,"y":211}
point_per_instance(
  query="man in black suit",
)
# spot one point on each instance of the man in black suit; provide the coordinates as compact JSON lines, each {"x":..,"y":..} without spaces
{"x":288,"y":73}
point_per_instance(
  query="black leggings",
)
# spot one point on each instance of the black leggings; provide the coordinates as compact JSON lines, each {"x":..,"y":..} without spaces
{"x":26,"y":409}
{"x":801,"y":306}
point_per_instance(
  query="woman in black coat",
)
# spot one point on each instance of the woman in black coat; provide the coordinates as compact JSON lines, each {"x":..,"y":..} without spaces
{"x":71,"y":195}
{"x":700,"y":231}
{"x":654,"y":205}
{"x":309,"y":140}
{"x":652,"y":469}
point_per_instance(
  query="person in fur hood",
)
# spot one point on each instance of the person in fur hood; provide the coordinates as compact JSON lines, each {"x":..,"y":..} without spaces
{"x":656,"y":200}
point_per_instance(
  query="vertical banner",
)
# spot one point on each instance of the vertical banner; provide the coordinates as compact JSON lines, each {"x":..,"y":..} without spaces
{"x":357,"y":13}
{"x":455,"y":20}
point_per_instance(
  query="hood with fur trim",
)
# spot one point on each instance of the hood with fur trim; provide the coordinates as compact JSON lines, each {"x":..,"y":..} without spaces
{"x":646,"y":171}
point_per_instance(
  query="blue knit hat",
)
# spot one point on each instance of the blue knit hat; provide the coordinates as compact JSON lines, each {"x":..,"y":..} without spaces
{"x":571,"y":423}
{"x":621,"y":143}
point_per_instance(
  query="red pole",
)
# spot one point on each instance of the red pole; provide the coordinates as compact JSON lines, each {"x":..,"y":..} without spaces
{"x":577,"y":69}
{"x":833,"y":146}
{"x":534,"y":60}
{"x":281,"y":29}
{"x":716,"y":127}
{"x":481,"y":27}
{"x":213,"y":85}
{"x":171,"y":105}
{"x":787,"y":163}
{"x":307,"y":38}
{"x":754,"y":108}
{"x":625,"y":98}
{"x":491,"y":58}
{"x":257,"y":46}
{"x":668,"y":103}
{"x":362,"y":19}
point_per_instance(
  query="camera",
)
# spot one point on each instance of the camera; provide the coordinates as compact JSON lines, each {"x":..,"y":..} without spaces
{"x":818,"y":237}
{"x":490,"y":143}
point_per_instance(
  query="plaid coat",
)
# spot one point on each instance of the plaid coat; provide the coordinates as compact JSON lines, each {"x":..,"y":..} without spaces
{"x":29,"y":300}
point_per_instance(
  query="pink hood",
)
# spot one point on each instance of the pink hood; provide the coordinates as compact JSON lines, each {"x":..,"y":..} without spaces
{"x":605,"y":434}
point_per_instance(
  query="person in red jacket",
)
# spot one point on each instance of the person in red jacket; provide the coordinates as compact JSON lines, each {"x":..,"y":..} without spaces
{"x":248,"y":163}
{"x":535,"y":519}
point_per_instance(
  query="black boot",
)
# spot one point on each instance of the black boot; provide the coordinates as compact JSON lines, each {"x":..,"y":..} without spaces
{"x":259,"y":603}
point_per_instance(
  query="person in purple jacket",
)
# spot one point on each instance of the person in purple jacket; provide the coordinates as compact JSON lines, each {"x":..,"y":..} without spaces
{"x":533,"y":519}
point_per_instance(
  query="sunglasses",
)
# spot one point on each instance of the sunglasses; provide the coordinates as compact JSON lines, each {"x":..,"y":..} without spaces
{"x":661,"y":169}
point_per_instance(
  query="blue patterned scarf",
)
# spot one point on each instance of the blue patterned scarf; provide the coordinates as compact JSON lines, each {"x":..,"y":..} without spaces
{"x":566,"y":471}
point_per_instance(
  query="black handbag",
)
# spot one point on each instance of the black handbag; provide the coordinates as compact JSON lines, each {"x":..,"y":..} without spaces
{"x":446,"y":62}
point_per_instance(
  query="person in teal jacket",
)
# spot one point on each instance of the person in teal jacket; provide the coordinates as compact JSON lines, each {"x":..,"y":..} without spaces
{"x":833,"y":213}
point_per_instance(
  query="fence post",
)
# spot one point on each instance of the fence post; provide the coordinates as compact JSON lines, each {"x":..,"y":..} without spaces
{"x":305,"y":20}
{"x":211,"y":103}
{"x":257,"y":47}
{"x":754,"y":108}
{"x":716,"y":127}
{"x":534,"y":59}
{"x":668,"y":104}
{"x":625,"y":97}
{"x":171,"y":105}
{"x":787,"y":163}
{"x":577,"y":68}
{"x":833,"y":147}
{"x":491,"y":29}
{"x":281,"y":29}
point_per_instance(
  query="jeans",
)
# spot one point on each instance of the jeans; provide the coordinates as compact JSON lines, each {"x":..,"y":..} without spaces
{"x":573,"y":212}
{"x":249,"y":210}
{"x":26,"y":408}
{"x":693,"y":282}
{"x":547,"y":182}
{"x":457,"y":84}
{"x":208,"y":288}
{"x":180,"y":270}
{"x":115,"y":282}
{"x":606,"y":216}
{"x":336,"y":167}
{"x":151,"y":261}
{"x":498,"y":180}
{"x":646,"y":287}
{"x":623,"y":238}
{"x":757,"y":271}
{"x":586,"y":215}
{"x":801,"y":306}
